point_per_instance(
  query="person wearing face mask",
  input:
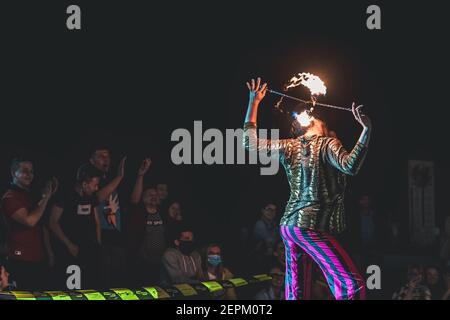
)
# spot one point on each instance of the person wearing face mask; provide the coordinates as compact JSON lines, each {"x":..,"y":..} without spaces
{"x":182,"y":264}
{"x":213,"y":269}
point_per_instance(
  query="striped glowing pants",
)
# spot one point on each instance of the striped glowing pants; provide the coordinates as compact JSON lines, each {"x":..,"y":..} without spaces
{"x":342,"y":277}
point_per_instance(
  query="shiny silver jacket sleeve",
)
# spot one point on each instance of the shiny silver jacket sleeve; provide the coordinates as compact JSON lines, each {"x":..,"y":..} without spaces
{"x":251,"y":142}
{"x":347,"y":162}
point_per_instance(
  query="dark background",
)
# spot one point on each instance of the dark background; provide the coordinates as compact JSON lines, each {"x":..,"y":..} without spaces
{"x":139,"y":69}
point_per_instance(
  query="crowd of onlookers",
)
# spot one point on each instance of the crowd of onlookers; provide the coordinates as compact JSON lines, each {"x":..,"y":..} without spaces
{"x":116,"y":241}
{"x":144,"y":238}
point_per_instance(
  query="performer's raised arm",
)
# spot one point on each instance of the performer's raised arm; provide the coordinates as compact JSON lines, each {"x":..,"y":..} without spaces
{"x":251,"y":141}
{"x":337,"y":156}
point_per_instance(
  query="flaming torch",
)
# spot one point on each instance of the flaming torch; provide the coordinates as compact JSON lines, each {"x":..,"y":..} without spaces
{"x":316,"y":88}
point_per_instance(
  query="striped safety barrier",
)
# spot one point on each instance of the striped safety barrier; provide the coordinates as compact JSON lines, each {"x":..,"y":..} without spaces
{"x":179,"y":291}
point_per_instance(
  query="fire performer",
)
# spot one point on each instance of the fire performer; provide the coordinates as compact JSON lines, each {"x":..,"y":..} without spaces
{"x":316,"y":165}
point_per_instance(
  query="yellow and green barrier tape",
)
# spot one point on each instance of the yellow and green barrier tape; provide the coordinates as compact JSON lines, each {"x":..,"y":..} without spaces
{"x":178,"y":291}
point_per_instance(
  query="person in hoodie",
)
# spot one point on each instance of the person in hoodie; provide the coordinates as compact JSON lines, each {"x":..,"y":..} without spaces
{"x":182,"y":264}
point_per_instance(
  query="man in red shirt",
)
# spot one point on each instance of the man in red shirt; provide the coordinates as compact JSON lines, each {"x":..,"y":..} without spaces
{"x":27,"y":238}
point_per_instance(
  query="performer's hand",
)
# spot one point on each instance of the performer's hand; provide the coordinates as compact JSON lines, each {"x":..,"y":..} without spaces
{"x":257,"y":91}
{"x":361,"y":118}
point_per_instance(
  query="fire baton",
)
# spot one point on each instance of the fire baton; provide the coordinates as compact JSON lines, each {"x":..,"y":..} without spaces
{"x":308,"y":102}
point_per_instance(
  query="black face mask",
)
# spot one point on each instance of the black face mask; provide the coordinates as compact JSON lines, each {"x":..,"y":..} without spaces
{"x":186,"y":247}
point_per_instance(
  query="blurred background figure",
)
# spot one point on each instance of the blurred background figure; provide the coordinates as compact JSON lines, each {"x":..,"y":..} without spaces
{"x":434,"y":282}
{"x":414,"y":289}
{"x":265,"y":234}
{"x":173,"y":219}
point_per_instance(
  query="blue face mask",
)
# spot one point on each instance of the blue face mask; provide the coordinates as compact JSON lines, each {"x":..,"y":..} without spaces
{"x":214,"y":260}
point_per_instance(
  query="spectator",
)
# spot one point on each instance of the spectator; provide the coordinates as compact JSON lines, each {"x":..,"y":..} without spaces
{"x":367,"y":221}
{"x":4,"y":277}
{"x":75,"y":223}
{"x":434,"y":282}
{"x":173,"y":220}
{"x":446,"y":277}
{"x":445,"y":243}
{"x":275,"y":290}
{"x":146,"y":231}
{"x":110,"y":212}
{"x":182,"y":264}
{"x":414,"y":289}
{"x":163,"y":194}
{"x":174,"y":212}
{"x":265,"y":232}
{"x":368,"y":227}
{"x":27,"y":238}
{"x":213,"y":269}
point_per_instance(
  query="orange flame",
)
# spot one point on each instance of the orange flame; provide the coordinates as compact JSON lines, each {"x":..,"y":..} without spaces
{"x":312,"y":82}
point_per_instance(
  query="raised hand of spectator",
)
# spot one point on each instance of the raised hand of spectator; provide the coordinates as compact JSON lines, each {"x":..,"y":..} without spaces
{"x":144,"y":167}
{"x":121,"y":169}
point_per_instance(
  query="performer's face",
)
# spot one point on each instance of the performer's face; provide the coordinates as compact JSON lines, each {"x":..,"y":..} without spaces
{"x":317,"y":127}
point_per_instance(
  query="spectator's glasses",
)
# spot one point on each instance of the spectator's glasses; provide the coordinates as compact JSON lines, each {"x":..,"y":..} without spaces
{"x":270,"y":209}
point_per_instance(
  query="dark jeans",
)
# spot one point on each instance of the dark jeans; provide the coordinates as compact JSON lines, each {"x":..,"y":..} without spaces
{"x":29,"y":276}
{"x":88,"y":260}
{"x":113,"y":260}
{"x":146,"y":273}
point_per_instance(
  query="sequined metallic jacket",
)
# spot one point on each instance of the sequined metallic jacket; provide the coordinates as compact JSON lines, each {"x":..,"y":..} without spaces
{"x":316,"y":168}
